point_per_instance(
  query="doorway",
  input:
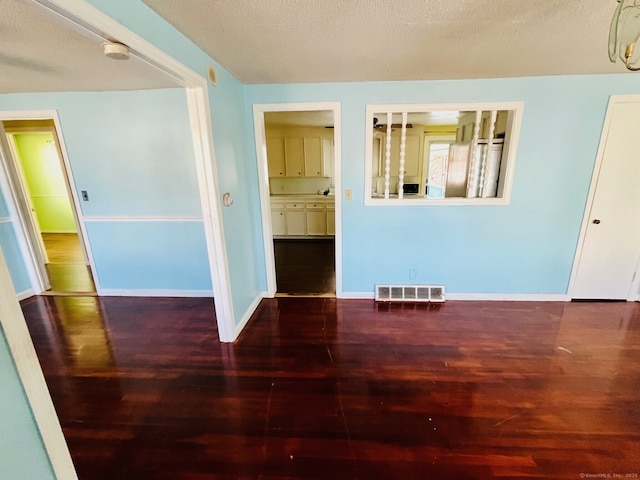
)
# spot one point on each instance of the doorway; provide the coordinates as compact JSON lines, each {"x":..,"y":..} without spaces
{"x":42,"y":190}
{"x":609,"y":247}
{"x":298,"y":158}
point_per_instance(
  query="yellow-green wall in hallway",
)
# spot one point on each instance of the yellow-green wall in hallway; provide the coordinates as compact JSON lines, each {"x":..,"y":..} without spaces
{"x":45,"y":182}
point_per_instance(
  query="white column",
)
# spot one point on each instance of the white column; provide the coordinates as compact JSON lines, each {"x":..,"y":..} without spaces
{"x":403,"y":148}
{"x":387,"y":156}
{"x":486,"y":153}
{"x":472,"y":180}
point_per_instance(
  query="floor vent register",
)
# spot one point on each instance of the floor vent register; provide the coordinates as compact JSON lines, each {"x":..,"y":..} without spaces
{"x":410,"y":293}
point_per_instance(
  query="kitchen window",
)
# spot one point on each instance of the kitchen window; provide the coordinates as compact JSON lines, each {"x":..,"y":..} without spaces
{"x":441,"y":154}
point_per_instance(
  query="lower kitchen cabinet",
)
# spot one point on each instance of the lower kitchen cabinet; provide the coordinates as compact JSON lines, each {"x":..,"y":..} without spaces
{"x":316,"y":223}
{"x":302,"y":219}
{"x":278,"y":225}
{"x":295,"y":223}
{"x":331,"y":220}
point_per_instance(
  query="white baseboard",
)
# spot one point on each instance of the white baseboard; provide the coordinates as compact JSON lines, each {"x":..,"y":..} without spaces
{"x":504,"y":297}
{"x":357,"y":295}
{"x":25,"y":294}
{"x":108,"y":292}
{"x":509,"y":297}
{"x":247,"y":315}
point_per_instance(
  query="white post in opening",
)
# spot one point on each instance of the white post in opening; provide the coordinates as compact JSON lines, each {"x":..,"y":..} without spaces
{"x":403,"y":148}
{"x":387,"y":156}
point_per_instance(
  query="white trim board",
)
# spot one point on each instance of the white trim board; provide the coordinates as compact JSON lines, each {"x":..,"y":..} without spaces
{"x":486,"y":297}
{"x":35,"y":388}
{"x":141,"y":219}
{"x":249,"y":313}
{"x":19,"y":226}
{"x":112,"y":292}
{"x":357,"y":295}
{"x":508,"y":297}
{"x":5,"y":220}
{"x":263,"y":174}
{"x":25,"y":294}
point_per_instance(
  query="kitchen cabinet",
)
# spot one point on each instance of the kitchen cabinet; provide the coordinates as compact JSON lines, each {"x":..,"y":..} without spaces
{"x":275,"y":157}
{"x":304,"y":218}
{"x":412,"y":155}
{"x":327,"y":157}
{"x":278,"y":225}
{"x":312,"y":157}
{"x":316,"y":218}
{"x":331,"y":219}
{"x":299,"y":152}
{"x":295,"y":217}
{"x":294,"y":156}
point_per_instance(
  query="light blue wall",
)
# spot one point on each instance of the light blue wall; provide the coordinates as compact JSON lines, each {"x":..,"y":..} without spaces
{"x":236,"y":167}
{"x":527,"y":247}
{"x":22,"y":453}
{"x":13,"y":256}
{"x":133,"y":153}
{"x":176,"y":252}
{"x":4,"y":211}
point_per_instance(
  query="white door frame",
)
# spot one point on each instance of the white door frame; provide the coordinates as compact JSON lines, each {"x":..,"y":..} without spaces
{"x":14,"y":157}
{"x":21,"y":225}
{"x":263,"y":176}
{"x":19,"y":197}
{"x":87,"y":17}
{"x":635,"y":285}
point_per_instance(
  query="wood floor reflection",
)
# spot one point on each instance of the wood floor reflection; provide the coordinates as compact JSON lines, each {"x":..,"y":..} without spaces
{"x":343,"y":389}
{"x":66,"y":268}
{"x":306,"y":266}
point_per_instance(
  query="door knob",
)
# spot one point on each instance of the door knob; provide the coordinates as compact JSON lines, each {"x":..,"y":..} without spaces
{"x":596,"y":221}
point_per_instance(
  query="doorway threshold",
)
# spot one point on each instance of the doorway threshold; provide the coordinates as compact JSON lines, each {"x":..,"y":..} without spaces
{"x":56,"y":293}
{"x":306,"y":295}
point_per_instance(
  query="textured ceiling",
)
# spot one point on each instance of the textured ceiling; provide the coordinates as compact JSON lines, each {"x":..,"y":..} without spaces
{"x":281,"y":41}
{"x":42,"y":52}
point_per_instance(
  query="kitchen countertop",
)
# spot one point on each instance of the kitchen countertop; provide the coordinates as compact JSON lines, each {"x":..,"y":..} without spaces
{"x":303,"y":197}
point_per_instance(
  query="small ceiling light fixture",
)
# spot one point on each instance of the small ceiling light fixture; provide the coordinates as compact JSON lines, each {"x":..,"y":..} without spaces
{"x":115,"y":50}
{"x":624,"y":33}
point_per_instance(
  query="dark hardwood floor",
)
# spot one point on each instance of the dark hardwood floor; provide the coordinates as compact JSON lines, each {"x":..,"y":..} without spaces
{"x":319,"y":388}
{"x":305,"y":266}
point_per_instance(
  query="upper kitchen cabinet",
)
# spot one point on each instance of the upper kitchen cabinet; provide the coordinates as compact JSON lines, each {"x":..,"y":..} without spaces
{"x":294,"y":159}
{"x":275,"y":154}
{"x":300,"y":151}
{"x":313,"y":157}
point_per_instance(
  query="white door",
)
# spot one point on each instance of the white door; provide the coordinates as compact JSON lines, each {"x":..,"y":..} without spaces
{"x":606,"y":263}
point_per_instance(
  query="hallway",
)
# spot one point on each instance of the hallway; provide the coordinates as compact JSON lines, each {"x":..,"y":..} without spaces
{"x":66,"y":268}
